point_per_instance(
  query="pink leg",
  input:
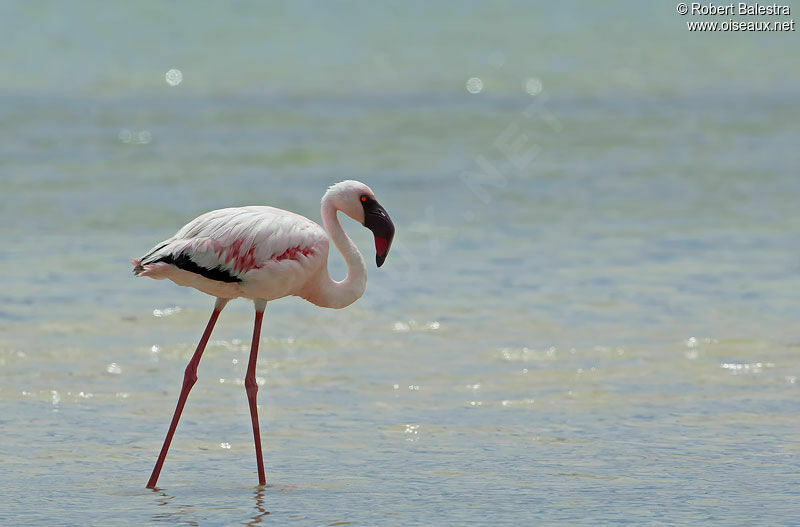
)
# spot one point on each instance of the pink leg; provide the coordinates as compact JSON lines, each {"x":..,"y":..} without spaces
{"x":189,"y":378}
{"x":252,"y":388}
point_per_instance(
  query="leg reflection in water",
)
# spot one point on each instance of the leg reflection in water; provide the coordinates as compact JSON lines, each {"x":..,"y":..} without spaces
{"x":260,"y":510}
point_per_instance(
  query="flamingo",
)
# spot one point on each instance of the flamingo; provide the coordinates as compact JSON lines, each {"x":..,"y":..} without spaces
{"x":264,"y":253}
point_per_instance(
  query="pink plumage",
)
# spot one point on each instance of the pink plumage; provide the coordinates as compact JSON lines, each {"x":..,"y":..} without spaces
{"x":252,"y":252}
{"x":264,"y":253}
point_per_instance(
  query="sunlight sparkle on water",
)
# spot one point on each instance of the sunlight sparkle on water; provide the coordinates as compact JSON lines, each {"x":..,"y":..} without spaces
{"x":167,"y":311}
{"x":412,"y":432}
{"x":526,"y":354}
{"x":413,"y":325}
{"x":401,"y":326}
{"x":128,"y":137}
{"x":144,"y":137}
{"x":737,"y":368}
{"x":474,"y":85}
{"x":174,"y":77}
{"x":533,"y":86}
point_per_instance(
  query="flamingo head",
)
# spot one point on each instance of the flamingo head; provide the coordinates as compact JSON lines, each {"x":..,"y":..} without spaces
{"x":358,"y":201}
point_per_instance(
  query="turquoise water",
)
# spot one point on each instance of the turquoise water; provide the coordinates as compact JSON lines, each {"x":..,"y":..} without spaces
{"x":595,"y":326}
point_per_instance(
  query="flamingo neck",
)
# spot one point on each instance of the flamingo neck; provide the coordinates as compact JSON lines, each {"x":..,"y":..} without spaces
{"x":341,"y":294}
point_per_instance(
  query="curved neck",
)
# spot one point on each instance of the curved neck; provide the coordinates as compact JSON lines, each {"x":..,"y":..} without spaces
{"x":341,"y":294}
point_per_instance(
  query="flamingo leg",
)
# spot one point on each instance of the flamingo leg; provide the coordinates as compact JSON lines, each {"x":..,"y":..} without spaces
{"x":189,"y":378}
{"x":252,"y":388}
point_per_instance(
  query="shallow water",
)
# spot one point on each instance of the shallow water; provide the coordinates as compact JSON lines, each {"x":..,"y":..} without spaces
{"x":597,"y":329}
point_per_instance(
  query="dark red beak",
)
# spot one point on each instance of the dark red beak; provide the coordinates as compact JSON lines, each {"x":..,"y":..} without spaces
{"x":378,"y":221}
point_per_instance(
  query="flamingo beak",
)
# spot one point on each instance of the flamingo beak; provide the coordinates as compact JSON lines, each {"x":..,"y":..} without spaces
{"x":378,"y":221}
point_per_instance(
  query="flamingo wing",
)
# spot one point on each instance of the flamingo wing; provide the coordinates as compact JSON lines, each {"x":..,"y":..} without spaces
{"x":224,"y":245}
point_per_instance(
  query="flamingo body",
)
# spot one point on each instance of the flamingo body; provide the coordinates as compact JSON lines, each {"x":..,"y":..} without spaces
{"x":252,"y":252}
{"x":264,"y":253}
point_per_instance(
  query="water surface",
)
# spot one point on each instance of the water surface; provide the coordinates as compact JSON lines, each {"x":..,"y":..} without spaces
{"x":597,"y":326}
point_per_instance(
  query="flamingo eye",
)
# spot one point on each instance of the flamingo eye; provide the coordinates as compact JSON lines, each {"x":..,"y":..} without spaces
{"x":363,"y":198}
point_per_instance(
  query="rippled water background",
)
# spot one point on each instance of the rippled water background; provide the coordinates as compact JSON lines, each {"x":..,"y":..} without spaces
{"x":602,"y":332}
